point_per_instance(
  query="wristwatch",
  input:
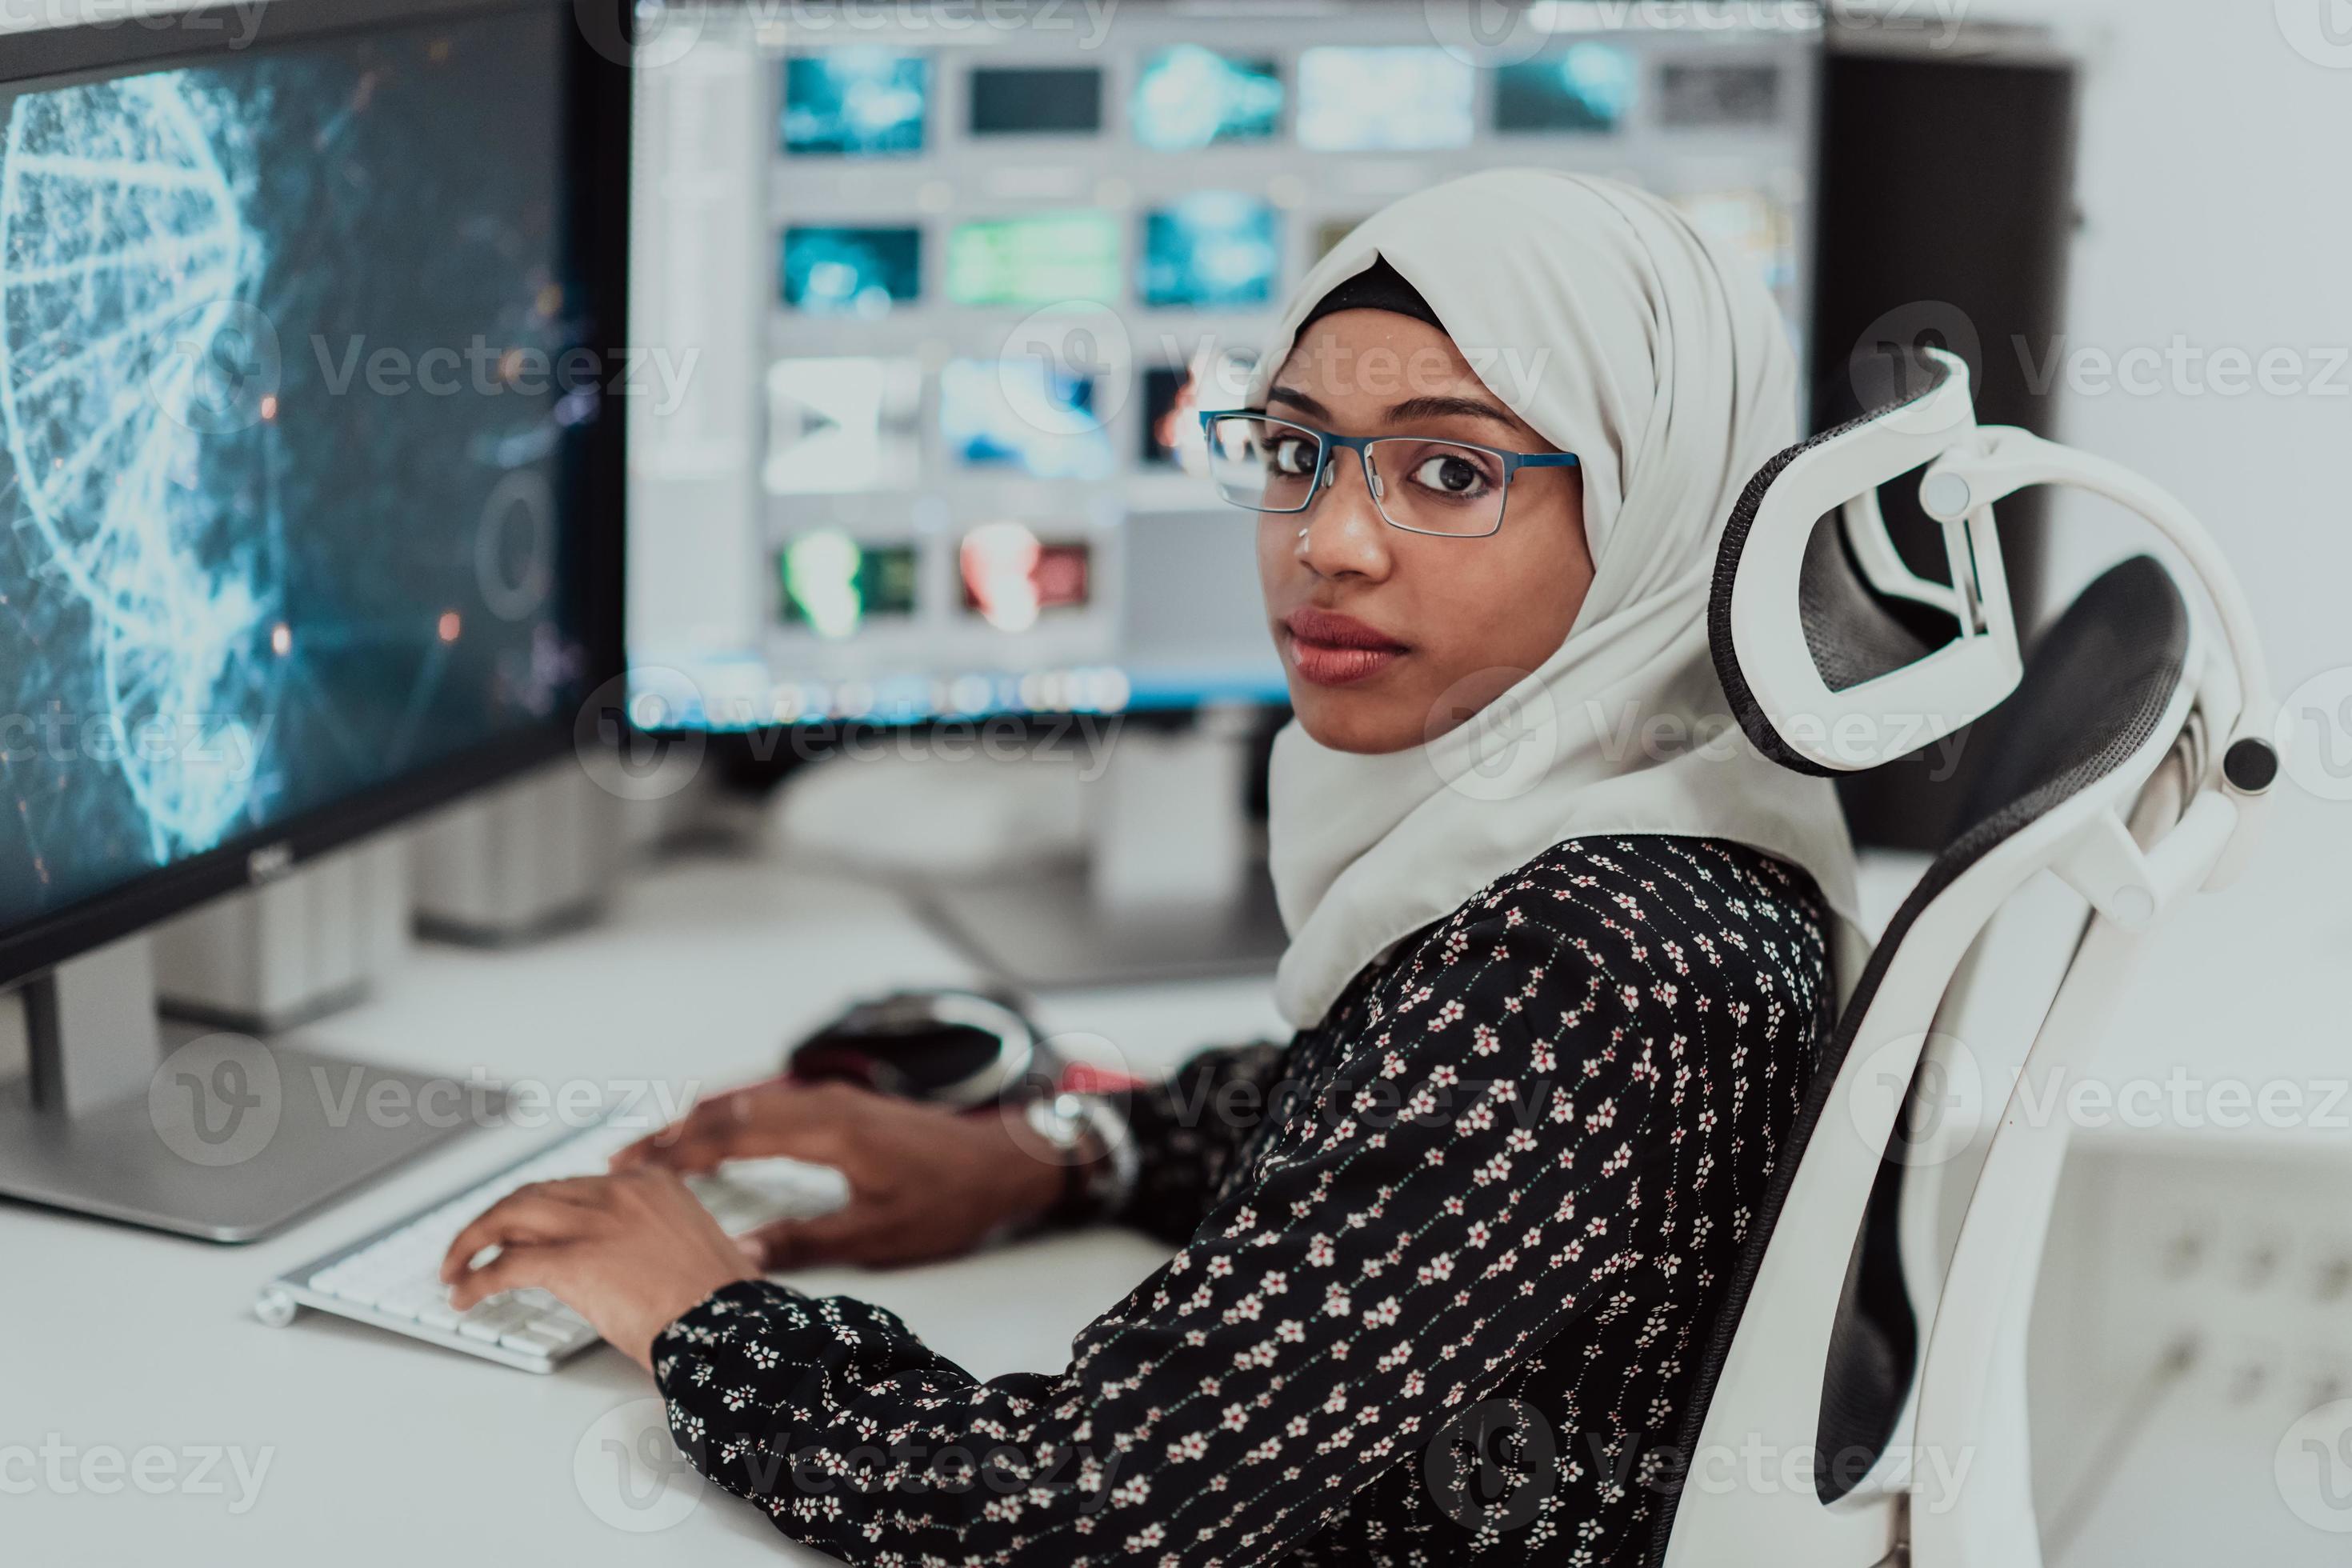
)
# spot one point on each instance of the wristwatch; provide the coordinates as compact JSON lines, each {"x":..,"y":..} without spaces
{"x":1090,"y":1135}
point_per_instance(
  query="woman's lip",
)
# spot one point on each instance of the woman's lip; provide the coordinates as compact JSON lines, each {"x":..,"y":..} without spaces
{"x":1325,"y":664}
{"x":1329,"y":629}
{"x":1328,"y":648}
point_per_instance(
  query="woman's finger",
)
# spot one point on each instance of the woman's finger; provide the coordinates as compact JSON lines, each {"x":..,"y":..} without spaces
{"x":765,"y":1120}
{"x":702,"y":1137}
{"x":520,"y":1219}
{"x":588,"y":1191}
{"x":516,"y":1269}
{"x":836,"y":1237}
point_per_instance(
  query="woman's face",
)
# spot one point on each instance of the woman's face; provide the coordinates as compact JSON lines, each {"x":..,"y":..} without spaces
{"x":1391,"y":638}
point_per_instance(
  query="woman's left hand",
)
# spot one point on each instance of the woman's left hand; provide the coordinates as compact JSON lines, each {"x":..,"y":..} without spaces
{"x":630,"y":1253}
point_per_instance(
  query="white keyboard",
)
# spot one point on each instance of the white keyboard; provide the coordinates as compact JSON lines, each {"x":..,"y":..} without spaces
{"x":391,"y":1279}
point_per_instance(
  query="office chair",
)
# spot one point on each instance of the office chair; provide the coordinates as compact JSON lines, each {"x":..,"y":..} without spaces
{"x":1865,"y":1334}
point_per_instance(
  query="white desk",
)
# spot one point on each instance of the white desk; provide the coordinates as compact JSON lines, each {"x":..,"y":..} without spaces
{"x":383,"y":1451}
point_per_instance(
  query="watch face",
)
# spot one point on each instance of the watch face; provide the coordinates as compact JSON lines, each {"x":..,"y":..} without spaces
{"x":1058,"y":1127}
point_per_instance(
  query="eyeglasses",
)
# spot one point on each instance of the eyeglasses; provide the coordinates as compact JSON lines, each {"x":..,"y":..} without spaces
{"x":1451,"y":489}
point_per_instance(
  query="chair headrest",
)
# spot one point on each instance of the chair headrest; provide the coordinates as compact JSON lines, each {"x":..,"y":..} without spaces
{"x":1815,"y":622}
{"x":1850,"y":680}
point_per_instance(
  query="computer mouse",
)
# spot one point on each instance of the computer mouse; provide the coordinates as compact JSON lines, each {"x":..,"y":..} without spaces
{"x":958,"y":1048}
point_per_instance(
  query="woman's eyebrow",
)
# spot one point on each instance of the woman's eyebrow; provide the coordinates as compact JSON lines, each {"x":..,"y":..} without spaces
{"x":1437,"y":407}
{"x":1299,"y":401}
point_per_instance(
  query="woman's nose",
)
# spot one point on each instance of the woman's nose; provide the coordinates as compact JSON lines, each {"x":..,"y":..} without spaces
{"x":1343,"y":533}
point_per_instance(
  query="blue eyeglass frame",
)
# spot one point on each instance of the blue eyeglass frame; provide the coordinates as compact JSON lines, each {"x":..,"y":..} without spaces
{"x":1329,"y":442}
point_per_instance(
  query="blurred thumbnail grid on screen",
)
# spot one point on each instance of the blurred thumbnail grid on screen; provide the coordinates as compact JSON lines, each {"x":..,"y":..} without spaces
{"x":841,"y":425}
{"x":833,"y":585}
{"x":1034,"y":100}
{"x":1187,"y":98}
{"x":1384,"y":98}
{"x":1041,"y":261}
{"x":1027,"y":414}
{"x":1584,"y":88}
{"x":1216,"y":378}
{"x":1210,"y":250}
{"x":1718,"y":94}
{"x":857,"y":102}
{"x":1011,"y":577}
{"x":842,"y":270}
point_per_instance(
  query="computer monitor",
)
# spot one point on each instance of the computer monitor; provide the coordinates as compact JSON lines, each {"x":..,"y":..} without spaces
{"x":934,"y":289}
{"x":308,"y":445}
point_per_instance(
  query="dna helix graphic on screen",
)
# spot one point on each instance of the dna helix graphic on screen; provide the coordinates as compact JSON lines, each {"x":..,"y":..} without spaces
{"x":124,"y":272}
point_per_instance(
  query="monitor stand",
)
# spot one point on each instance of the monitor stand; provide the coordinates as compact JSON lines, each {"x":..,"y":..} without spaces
{"x":224,"y":1139}
{"x":1174,"y":887}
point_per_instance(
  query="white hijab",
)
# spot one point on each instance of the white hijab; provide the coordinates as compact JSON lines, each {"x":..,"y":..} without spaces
{"x":1605,"y":321}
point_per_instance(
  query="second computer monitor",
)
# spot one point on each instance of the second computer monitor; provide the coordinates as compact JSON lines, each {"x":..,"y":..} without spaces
{"x":301,"y":434}
{"x":950,"y":310}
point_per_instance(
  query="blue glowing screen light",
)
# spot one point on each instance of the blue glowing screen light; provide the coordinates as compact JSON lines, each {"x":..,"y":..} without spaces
{"x":247,"y":566}
{"x":831,"y":271}
{"x":1188,"y":97}
{"x":1212,"y":249}
{"x":855,"y":103}
{"x":1028,"y":414}
{"x":1587,"y":87}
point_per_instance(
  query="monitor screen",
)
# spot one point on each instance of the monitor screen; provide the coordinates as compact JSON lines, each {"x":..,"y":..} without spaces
{"x":294,"y":411}
{"x":1393,"y":97}
{"x":1024,"y":100}
{"x":973,"y":279}
{"x":1189,"y":97}
{"x":855,"y":103}
{"x":1038,"y":260}
{"x":842,"y":271}
{"x":1211,"y":250}
{"x":1588,"y":87}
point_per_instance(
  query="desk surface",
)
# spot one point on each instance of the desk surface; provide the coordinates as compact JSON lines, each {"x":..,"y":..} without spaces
{"x":381,"y":1450}
{"x":378,"y":1450}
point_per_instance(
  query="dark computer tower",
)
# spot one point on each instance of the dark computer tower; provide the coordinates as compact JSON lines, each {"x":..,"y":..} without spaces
{"x":1946,"y":209}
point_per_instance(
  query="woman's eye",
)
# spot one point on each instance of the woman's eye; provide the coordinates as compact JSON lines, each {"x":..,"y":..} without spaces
{"x":1451,"y":474}
{"x":1291,"y":457}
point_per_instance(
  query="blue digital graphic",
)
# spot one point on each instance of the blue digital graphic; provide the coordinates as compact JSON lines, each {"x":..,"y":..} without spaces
{"x":855,"y":103}
{"x":1588,"y":87}
{"x":241,"y":574}
{"x":1189,"y":97}
{"x":1029,"y":414}
{"x":851,"y":271}
{"x":1213,"y":250}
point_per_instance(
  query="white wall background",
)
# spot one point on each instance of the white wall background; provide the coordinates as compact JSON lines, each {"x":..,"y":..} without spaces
{"x":2217,"y":208}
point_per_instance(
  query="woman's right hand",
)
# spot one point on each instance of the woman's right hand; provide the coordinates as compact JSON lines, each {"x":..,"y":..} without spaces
{"x":924,"y":1182}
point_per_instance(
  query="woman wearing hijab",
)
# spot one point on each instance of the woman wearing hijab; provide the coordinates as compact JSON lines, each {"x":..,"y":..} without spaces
{"x":1561,"y":967}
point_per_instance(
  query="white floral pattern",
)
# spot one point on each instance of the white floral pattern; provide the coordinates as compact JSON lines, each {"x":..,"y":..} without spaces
{"x":1516,"y":1163}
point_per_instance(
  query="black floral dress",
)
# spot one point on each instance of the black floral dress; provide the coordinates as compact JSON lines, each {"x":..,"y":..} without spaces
{"x":1447,"y":1260}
